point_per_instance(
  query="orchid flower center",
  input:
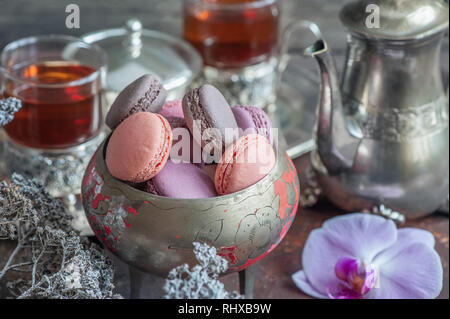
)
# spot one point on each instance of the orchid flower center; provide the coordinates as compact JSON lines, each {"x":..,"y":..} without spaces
{"x":356,"y":279}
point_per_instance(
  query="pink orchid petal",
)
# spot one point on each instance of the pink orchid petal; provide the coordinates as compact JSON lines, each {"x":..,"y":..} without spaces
{"x":358,"y":236}
{"x":412,"y":272}
{"x":344,"y":293}
{"x":405,"y":238}
{"x":303,"y":284}
{"x":369,"y":280}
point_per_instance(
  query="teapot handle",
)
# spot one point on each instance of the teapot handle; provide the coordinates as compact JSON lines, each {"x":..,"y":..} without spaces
{"x":283,"y":54}
{"x":284,"y":57}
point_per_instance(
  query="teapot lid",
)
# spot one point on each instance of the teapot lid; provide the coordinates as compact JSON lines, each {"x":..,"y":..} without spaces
{"x":396,"y":19}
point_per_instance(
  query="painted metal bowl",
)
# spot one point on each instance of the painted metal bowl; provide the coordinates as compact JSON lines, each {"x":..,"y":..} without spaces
{"x":155,"y":233}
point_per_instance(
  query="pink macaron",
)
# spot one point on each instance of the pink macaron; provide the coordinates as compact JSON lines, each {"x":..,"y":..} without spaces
{"x":139,"y":147}
{"x":172,"y":108}
{"x":244,"y":163}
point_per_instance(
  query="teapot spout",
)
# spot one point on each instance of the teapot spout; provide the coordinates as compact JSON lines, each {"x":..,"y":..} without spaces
{"x":335,"y":146}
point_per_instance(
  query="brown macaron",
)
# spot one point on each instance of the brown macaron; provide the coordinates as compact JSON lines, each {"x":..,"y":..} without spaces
{"x":146,"y":94}
{"x":208,"y":116}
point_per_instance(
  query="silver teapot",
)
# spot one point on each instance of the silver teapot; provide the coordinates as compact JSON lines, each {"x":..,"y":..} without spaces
{"x":382,"y":135}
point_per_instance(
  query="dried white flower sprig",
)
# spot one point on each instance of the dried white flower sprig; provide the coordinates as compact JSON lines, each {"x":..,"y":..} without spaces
{"x":200,"y":282}
{"x":8,"y":107}
{"x":55,"y":261}
{"x":388,"y":213}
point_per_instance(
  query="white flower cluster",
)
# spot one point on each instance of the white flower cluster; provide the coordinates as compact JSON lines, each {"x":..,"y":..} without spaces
{"x":8,"y":107}
{"x":200,"y":282}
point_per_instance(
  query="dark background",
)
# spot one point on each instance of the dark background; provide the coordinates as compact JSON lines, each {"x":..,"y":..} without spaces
{"x":22,"y":18}
{"x":19,"y":18}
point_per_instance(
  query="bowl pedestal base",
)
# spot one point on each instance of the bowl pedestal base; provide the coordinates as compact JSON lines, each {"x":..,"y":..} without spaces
{"x":139,"y":282}
{"x":247,"y":280}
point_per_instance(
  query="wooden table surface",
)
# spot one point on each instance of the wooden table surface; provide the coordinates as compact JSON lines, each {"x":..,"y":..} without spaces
{"x":20,"y":18}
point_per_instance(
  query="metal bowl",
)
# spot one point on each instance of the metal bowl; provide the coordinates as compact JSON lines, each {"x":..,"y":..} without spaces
{"x":155,"y":233}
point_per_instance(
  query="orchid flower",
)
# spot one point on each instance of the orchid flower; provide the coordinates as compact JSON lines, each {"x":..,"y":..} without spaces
{"x":365,"y":256}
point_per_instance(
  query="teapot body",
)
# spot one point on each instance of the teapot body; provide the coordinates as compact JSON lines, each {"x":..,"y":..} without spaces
{"x":395,"y":104}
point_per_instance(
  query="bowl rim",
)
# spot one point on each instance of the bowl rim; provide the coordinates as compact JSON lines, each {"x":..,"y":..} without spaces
{"x":101,"y":151}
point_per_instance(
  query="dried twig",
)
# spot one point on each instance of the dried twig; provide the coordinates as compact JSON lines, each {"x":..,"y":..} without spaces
{"x":61,"y":263}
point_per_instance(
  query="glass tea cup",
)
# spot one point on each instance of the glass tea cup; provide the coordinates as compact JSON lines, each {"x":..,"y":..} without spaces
{"x":243,"y":49}
{"x":59,"y":81}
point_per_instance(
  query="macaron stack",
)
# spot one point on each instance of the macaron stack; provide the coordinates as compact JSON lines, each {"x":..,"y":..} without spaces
{"x":197,"y":147}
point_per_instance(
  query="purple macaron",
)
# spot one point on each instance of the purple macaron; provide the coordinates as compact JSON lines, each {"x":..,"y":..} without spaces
{"x":252,"y":119}
{"x":182,"y":180}
{"x":145,"y":94}
{"x":208,"y":115}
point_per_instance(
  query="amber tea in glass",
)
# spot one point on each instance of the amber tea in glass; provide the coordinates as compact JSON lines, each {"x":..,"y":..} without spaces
{"x":55,"y":117}
{"x":58,"y":80}
{"x":232,"y":33}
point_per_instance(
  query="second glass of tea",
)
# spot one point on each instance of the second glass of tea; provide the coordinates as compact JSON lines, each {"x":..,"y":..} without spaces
{"x":59,"y":82}
{"x":238,"y":40}
{"x":243,"y":48}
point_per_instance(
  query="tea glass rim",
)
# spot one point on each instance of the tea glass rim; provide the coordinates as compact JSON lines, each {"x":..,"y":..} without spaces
{"x":231,"y":6}
{"x":16,"y":44}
